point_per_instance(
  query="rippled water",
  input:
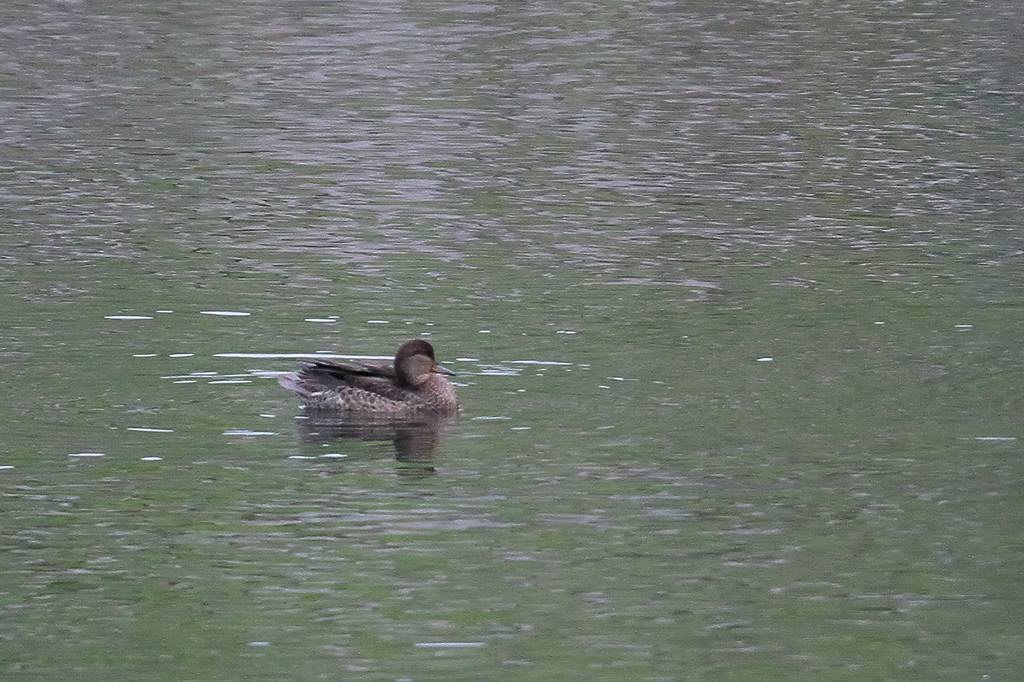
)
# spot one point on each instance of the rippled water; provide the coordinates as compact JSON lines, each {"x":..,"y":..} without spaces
{"x":734,"y":295}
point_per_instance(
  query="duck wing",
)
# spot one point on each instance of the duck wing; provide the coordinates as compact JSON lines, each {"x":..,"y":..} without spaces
{"x":358,"y":381}
{"x":349,"y":386}
{"x":343,"y":371}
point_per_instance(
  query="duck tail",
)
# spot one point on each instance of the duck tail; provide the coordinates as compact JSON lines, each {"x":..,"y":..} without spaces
{"x":292,"y":383}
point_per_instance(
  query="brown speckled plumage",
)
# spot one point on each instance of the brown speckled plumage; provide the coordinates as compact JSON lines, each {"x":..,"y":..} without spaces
{"x":413,"y":386}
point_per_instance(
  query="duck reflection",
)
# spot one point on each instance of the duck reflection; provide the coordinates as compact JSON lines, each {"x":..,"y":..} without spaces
{"x":414,"y":441}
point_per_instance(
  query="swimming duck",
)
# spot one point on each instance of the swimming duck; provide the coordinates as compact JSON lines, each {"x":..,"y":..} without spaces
{"x":413,"y":386}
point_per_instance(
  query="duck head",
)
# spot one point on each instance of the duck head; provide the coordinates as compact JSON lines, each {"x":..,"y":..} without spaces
{"x":414,"y":363}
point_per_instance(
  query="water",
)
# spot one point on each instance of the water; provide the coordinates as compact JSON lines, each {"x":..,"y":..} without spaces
{"x":734,"y":294}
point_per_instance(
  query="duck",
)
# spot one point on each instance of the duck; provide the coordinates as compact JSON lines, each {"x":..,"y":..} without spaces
{"x":414,"y":386}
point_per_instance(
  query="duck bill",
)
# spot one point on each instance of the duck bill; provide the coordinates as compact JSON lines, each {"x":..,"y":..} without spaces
{"x":442,"y":370}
